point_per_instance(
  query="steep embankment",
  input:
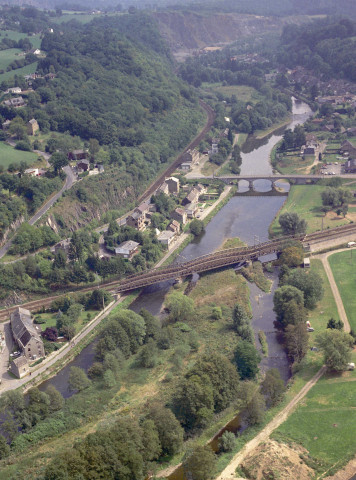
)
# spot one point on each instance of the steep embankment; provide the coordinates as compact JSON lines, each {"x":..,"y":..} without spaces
{"x":190,"y":30}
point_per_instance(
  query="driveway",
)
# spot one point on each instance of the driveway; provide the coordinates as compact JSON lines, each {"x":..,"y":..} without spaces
{"x":4,"y":355}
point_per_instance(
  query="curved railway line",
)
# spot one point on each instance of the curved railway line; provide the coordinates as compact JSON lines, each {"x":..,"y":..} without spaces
{"x":201,"y":264}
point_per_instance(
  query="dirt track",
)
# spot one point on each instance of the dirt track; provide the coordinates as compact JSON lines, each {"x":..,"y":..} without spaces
{"x":229,"y":472}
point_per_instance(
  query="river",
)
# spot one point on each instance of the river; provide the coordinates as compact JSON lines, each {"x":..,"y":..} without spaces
{"x":245,"y":217}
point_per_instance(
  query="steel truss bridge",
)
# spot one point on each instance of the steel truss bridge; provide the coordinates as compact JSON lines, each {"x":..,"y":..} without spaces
{"x":224,"y":258}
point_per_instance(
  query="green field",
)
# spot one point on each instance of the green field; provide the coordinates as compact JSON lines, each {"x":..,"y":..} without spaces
{"x":305,"y":200}
{"x":294,"y":164}
{"x":8,"y":56}
{"x":343,"y":266}
{"x":242,"y":92}
{"x":325,"y":422}
{"x":35,"y":39}
{"x":10,"y":155}
{"x":27,"y":70}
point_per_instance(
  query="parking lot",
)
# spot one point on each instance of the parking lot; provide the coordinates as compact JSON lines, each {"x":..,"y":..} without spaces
{"x":332,"y":168}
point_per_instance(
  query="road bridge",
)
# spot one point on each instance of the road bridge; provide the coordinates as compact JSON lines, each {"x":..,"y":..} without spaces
{"x":224,"y":258}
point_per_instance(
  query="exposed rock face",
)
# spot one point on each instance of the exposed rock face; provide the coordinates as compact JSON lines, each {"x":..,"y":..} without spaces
{"x":192,"y":31}
{"x":273,"y":460}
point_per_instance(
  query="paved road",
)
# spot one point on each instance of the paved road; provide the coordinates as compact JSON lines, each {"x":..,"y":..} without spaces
{"x":70,"y":180}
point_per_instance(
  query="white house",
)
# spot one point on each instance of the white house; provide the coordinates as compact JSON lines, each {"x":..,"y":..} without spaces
{"x":166,"y":237}
{"x":127,"y":249}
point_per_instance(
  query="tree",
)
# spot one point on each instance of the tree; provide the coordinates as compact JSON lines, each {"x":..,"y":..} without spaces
{"x":58,"y":160}
{"x":98,"y":299}
{"x":51,"y":334}
{"x":308,"y":282}
{"x":292,"y":224}
{"x":147,"y":357}
{"x":94,"y":147}
{"x":255,"y":409}
{"x":170,"y":432}
{"x":282,"y":296}
{"x":150,"y":440}
{"x":78,"y":379}
{"x":272,"y":387}
{"x":336,"y":346}
{"x":241,"y":324}
{"x":180,"y":306}
{"x":227,"y":442}
{"x":296,"y":340}
{"x":56,"y":401}
{"x":292,"y":256}
{"x":247,"y":359}
{"x":200,"y":465}
{"x":196,"y":227}
{"x":335,"y":324}
{"x":4,"y":448}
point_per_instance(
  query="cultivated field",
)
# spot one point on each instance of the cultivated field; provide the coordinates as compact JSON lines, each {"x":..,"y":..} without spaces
{"x":10,"y":155}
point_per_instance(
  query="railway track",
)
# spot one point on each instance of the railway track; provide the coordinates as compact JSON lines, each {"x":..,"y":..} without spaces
{"x":194,"y":143}
{"x":201,"y":264}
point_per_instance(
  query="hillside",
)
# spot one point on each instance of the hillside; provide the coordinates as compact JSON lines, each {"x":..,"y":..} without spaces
{"x":190,"y":30}
{"x":114,"y":83}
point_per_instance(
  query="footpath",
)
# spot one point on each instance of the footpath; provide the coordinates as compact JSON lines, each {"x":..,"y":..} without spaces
{"x":229,"y":472}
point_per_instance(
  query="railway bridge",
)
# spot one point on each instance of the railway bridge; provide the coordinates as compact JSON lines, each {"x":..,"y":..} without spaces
{"x":225,"y":258}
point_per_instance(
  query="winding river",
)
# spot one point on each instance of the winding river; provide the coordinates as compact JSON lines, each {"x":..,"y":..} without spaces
{"x":245,"y":217}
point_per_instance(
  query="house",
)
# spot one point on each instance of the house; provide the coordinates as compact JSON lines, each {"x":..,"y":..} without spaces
{"x":173,"y":184}
{"x":26,"y":334}
{"x":127,"y":249}
{"x":35,"y":51}
{"x":185,"y":166}
{"x":193,"y":196}
{"x":191,"y":156}
{"x":309,"y":151}
{"x":136,"y":220}
{"x":6,"y":124}
{"x":166,"y":237}
{"x":348,"y":147}
{"x":62,"y":245}
{"x":214,"y":149}
{"x":180,"y":215}
{"x":14,"y":90}
{"x":15,"y":102}
{"x":96,"y":170}
{"x":163,"y":188}
{"x":311,"y":140}
{"x":174,"y":226}
{"x":201,"y":189}
{"x":83,"y":166}
{"x":350,"y":166}
{"x":33,"y":172}
{"x":306,"y":263}
{"x":143,"y":208}
{"x":19,"y":366}
{"x":32,"y":127}
{"x":100,"y":167}
{"x":78,"y":155}
{"x":191,"y":210}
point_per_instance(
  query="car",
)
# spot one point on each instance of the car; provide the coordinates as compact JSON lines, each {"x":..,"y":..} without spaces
{"x":350,"y":366}
{"x":333,"y":173}
{"x":335,"y":163}
{"x":310,"y":329}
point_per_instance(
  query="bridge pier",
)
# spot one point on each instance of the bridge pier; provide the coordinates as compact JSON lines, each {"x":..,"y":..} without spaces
{"x":250,"y":185}
{"x":274,"y":186}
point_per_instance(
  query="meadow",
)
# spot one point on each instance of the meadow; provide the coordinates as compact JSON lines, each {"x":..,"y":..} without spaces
{"x":9,"y":155}
{"x":343,"y":266}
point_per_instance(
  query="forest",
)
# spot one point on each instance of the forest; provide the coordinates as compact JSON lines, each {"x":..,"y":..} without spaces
{"x":325,"y":46}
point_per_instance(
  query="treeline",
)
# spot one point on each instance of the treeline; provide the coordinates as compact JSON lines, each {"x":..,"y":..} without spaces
{"x":325,"y":46}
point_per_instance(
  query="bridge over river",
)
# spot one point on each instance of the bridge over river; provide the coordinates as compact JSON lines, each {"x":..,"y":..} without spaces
{"x":224,"y":258}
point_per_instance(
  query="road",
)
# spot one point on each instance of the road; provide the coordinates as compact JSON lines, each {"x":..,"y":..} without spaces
{"x":70,"y":180}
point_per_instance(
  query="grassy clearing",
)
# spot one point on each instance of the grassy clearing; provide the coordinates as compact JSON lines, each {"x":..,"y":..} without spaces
{"x":294,"y":164}
{"x":10,"y":155}
{"x":11,"y":34}
{"x":305,"y":200}
{"x":7,"y":56}
{"x":27,"y":70}
{"x":242,"y":92}
{"x":325,"y":422}
{"x":85,"y":317}
{"x":343,"y":266}
{"x":232,"y":243}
